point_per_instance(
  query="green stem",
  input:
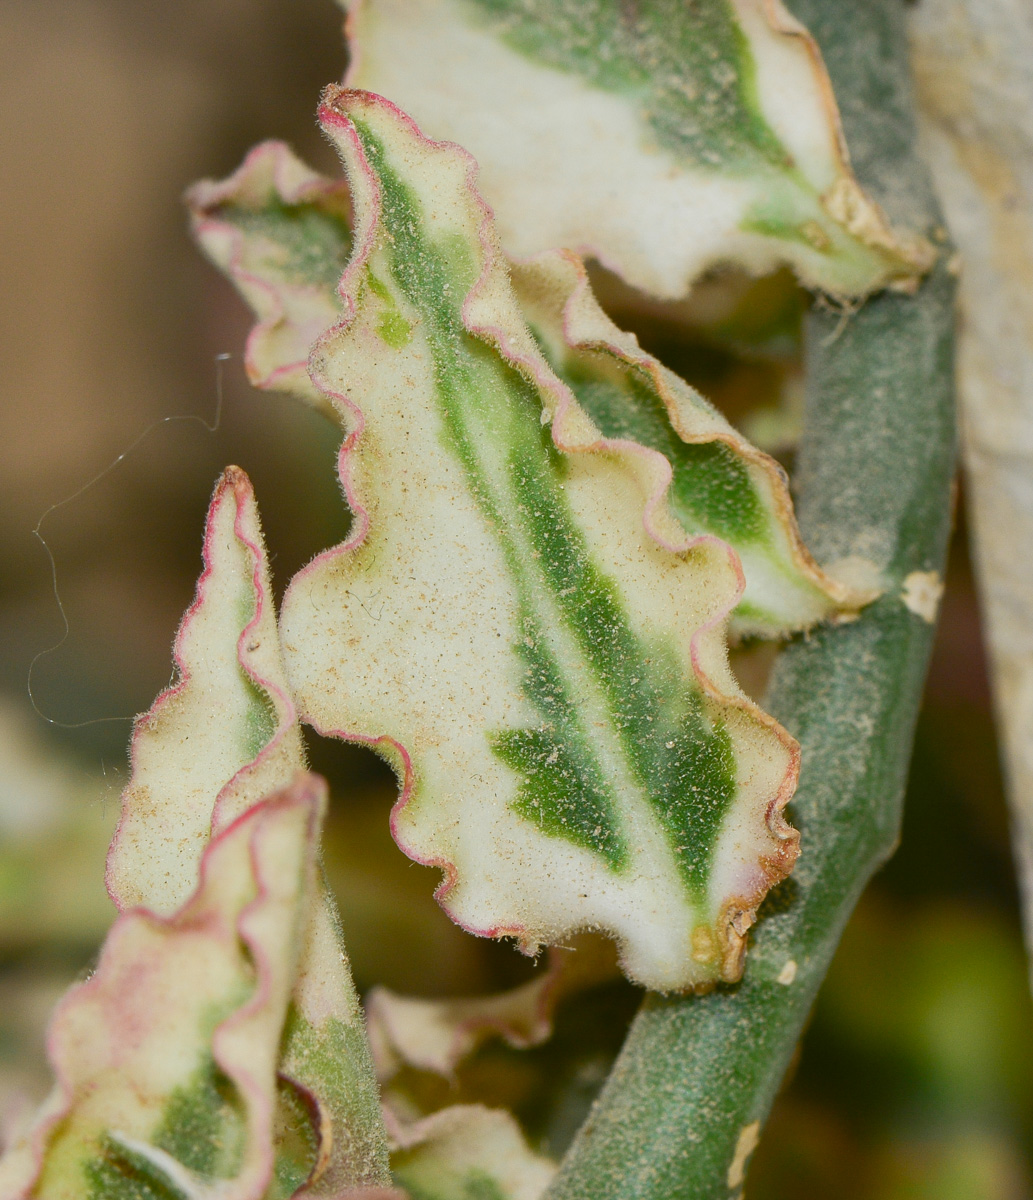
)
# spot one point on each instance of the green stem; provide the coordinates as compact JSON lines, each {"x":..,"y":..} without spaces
{"x":876,"y":471}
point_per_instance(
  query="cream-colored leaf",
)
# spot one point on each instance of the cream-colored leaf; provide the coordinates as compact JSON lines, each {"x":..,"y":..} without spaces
{"x":662,"y":138}
{"x":224,"y":734}
{"x":173,"y":1042}
{"x":222,"y":737}
{"x":721,"y":484}
{"x":519,"y":622}
{"x":438,"y":1034}
{"x":435,"y":1035}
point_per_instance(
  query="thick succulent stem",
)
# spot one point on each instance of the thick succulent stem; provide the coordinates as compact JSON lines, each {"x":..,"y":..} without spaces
{"x":684,"y":1105}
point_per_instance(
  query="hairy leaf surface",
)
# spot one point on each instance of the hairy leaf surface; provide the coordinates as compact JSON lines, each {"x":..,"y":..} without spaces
{"x":722,"y":485}
{"x":166,"y":1057}
{"x":662,"y":137}
{"x":282,"y":233}
{"x":518,"y":621}
{"x":224,"y":734}
{"x":219,"y":740}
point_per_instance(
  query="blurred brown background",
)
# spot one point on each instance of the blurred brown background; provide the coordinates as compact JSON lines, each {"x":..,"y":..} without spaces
{"x":916,"y":1078}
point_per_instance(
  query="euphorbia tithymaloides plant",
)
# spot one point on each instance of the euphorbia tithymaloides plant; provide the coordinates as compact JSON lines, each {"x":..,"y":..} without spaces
{"x":562,"y":535}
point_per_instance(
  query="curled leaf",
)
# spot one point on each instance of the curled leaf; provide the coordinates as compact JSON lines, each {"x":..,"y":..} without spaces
{"x":438,"y":1034}
{"x":166,"y":1058}
{"x":214,"y":744}
{"x":661,"y":137}
{"x":224,"y":734}
{"x":518,"y":621}
{"x":468,"y":1150}
{"x":435,"y":1035}
{"x":721,"y":484}
{"x":282,"y":233}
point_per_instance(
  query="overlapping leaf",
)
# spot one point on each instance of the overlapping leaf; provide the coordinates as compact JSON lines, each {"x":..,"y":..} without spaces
{"x":722,"y":485}
{"x":222,"y":737}
{"x":462,"y":1150}
{"x":282,"y":233}
{"x":166,"y":1058}
{"x":518,"y":620}
{"x":662,"y":137}
{"x":468,"y":1151}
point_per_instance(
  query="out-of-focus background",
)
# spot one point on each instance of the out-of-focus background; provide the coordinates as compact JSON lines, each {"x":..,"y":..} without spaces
{"x":916,"y":1075}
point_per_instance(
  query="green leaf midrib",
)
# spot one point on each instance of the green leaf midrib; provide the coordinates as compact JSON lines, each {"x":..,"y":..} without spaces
{"x":680,"y":767}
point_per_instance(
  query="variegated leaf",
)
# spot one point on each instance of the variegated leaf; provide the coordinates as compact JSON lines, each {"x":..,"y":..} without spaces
{"x":222,"y":737}
{"x":662,"y":137}
{"x":166,"y":1058}
{"x":722,"y":485}
{"x":282,"y":233}
{"x":326,"y":1055}
{"x":468,"y":1151}
{"x":224,"y":734}
{"x":518,"y":621}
